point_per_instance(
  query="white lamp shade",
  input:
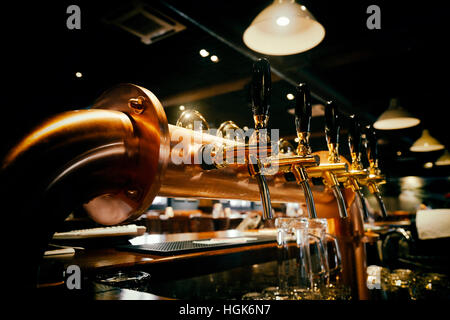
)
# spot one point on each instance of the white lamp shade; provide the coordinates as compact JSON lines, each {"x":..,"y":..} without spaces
{"x":283,"y":28}
{"x":443,"y":160}
{"x":395,"y":117}
{"x":426,"y":143}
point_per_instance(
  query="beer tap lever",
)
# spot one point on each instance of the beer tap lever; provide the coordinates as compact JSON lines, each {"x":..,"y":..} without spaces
{"x":260,"y":94}
{"x":332,"y":127}
{"x":357,"y":170}
{"x":375,"y":177}
{"x":302,"y":124}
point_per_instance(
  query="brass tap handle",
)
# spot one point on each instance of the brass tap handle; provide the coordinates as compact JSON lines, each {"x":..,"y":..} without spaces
{"x":354,"y":142}
{"x":372,"y":155}
{"x":261,"y":87}
{"x":332,"y":127}
{"x":303,"y":118}
{"x":372,"y":149}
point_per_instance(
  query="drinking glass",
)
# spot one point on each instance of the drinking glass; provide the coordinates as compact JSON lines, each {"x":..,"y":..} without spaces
{"x":310,"y":262}
{"x":128,"y":279}
{"x":432,"y":286}
{"x":401,"y":284}
{"x":286,"y":264}
{"x":333,"y":265}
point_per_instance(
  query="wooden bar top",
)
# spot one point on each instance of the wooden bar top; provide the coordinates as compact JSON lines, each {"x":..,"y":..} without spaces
{"x":92,"y":259}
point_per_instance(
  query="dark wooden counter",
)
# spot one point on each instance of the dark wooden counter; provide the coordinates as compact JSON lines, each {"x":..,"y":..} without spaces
{"x":109,"y":257}
{"x":96,"y":260}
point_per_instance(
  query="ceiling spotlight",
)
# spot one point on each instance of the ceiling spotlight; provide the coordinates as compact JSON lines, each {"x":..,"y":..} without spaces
{"x":182,"y":108}
{"x":283,"y":28}
{"x":214,"y":58}
{"x":426,"y":143}
{"x":78,"y":74}
{"x":395,"y":117}
{"x":204,"y":53}
{"x":399,"y":153}
{"x":290,"y":96}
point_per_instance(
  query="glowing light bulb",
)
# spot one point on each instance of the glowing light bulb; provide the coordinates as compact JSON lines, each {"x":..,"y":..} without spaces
{"x":428,"y":165}
{"x":204,"y":53}
{"x":290,"y":96}
{"x":182,"y":108}
{"x":78,"y":74}
{"x":283,"y":21}
{"x":214,"y":58}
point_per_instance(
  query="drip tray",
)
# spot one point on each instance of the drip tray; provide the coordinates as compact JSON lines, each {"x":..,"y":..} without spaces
{"x":190,"y":246}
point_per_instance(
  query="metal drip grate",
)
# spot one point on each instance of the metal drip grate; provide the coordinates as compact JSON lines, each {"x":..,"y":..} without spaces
{"x":189,"y":246}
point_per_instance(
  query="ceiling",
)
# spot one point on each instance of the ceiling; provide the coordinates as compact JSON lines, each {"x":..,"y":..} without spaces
{"x":360,"y":69}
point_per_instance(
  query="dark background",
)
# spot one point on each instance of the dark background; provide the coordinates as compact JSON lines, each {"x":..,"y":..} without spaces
{"x":360,"y":69}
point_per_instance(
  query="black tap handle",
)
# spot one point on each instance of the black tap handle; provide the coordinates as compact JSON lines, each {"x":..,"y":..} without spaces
{"x":302,"y":108}
{"x":372,"y":145}
{"x":354,"y":135}
{"x":261,"y":87}
{"x":331,"y":123}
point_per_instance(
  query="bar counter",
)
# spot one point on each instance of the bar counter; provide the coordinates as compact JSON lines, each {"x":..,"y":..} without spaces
{"x":98,"y":259}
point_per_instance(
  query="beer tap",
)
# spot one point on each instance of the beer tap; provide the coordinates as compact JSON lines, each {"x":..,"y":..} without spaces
{"x":375,"y":178}
{"x":329,"y":171}
{"x":302,"y":124}
{"x":357,"y":172}
{"x":260,"y":94}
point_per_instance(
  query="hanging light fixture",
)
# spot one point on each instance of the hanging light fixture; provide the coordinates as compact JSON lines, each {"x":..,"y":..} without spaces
{"x":443,"y":160}
{"x":283,"y":28}
{"x":426,"y":143}
{"x":395,"y":117}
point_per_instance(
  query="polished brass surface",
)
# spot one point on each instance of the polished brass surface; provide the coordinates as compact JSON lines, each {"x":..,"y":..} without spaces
{"x":189,"y":180}
{"x":83,"y":148}
{"x":192,"y":119}
{"x":231,"y":131}
{"x":333,"y":153}
{"x":261,"y":121}
{"x":328,"y":171}
{"x":317,"y":172}
{"x":152,"y":136}
{"x":285,"y":147}
{"x":303,"y":147}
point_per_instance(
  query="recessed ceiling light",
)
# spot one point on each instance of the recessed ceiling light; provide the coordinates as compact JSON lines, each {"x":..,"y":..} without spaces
{"x":290,"y":96}
{"x":204,"y":53}
{"x":214,"y":58}
{"x":78,"y":74}
{"x":399,"y":153}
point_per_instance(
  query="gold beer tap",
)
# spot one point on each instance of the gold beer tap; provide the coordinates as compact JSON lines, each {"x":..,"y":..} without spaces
{"x":329,"y":171}
{"x":352,"y":178}
{"x":258,"y":150}
{"x":302,"y":124}
{"x":375,"y":178}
